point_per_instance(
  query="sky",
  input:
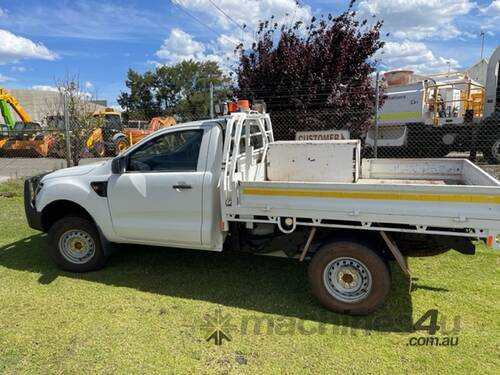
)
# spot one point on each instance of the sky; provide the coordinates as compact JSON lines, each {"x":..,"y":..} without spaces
{"x":43,"y":41}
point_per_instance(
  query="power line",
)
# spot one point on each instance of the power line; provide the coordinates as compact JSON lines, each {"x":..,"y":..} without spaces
{"x":227,"y":15}
{"x":181,"y":8}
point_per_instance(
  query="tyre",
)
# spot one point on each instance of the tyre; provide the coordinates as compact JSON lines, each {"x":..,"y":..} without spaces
{"x":75,"y":245}
{"x":492,"y":152}
{"x":349,"y":278}
{"x":121,"y":144}
{"x":489,"y":138}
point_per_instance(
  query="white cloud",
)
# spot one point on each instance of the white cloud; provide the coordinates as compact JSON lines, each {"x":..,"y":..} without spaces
{"x":14,"y":48}
{"x":20,"y":69}
{"x":418,"y":19}
{"x":493,"y":9}
{"x":155,"y":63}
{"x":116,"y":108}
{"x":82,"y":94}
{"x":491,"y":17}
{"x":415,"y":56}
{"x":45,"y":88}
{"x":180,"y":46}
{"x":249,"y":12}
{"x":88,"y":85}
{"x":5,"y":78}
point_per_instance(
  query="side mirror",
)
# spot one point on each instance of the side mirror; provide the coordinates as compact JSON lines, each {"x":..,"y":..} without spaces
{"x":119,"y":165}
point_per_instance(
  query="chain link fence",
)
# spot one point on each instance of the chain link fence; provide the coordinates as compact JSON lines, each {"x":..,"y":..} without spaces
{"x":479,"y":139}
{"x":72,"y":129}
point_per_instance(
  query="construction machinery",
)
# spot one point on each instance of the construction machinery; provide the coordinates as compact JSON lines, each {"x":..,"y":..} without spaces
{"x":22,"y":138}
{"x":137,"y":130}
{"x":6,"y":101}
{"x":108,"y":139}
{"x":430,"y":116}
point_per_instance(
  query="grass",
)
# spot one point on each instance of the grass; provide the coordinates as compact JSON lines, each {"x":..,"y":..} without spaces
{"x":144,"y":313}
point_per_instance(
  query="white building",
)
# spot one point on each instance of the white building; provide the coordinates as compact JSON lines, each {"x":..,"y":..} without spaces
{"x":41,"y":103}
{"x":477,"y":72}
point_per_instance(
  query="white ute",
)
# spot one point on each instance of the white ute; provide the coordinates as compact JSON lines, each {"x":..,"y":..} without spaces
{"x":225,"y":184}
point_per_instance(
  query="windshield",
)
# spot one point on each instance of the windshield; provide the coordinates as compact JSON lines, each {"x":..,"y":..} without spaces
{"x":112,"y":122}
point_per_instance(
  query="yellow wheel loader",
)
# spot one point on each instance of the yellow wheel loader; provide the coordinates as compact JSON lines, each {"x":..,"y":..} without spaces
{"x":108,"y":139}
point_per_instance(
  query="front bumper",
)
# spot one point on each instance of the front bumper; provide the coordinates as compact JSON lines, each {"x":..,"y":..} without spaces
{"x":32,"y":215}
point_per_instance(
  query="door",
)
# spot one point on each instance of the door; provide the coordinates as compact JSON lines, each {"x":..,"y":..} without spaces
{"x":158,"y":199}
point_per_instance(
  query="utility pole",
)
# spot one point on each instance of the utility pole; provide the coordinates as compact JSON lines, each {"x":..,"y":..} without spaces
{"x":67,"y":132}
{"x":482,"y":34}
{"x":211,"y":100}
{"x":375,"y":142}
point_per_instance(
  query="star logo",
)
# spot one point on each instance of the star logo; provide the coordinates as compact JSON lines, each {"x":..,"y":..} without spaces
{"x":216,"y":327}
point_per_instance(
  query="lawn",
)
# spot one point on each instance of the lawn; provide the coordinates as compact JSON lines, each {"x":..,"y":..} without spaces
{"x":150,"y":310}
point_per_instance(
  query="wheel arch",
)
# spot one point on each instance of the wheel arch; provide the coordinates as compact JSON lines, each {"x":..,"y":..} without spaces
{"x":118,"y":136}
{"x":58,"y":209}
{"x":370,"y":239}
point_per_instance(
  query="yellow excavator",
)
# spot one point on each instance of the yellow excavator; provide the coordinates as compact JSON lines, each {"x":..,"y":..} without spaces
{"x":9,"y":124}
{"x":24,"y":138}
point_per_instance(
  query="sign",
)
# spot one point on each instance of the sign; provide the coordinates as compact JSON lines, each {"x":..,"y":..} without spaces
{"x":323,"y":135}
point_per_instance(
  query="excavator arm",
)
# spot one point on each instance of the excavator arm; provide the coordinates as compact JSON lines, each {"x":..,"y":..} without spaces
{"x":4,"y":110}
{"x":6,"y":98}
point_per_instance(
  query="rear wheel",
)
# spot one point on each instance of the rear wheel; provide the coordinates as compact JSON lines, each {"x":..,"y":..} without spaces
{"x":349,"y":278}
{"x":75,"y":245}
{"x":492,"y":152}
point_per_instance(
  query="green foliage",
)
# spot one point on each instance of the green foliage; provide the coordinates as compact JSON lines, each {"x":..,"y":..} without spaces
{"x":181,"y":90}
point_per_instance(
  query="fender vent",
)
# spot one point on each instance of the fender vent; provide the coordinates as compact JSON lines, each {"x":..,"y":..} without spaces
{"x":100,"y":188}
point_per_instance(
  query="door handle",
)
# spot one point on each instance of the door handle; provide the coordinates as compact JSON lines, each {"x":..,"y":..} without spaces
{"x":181,"y":187}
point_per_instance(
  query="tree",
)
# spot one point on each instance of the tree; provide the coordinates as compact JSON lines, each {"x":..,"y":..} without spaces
{"x":140,"y":102}
{"x":80,"y":110}
{"x":180,"y":90}
{"x":327,"y":67}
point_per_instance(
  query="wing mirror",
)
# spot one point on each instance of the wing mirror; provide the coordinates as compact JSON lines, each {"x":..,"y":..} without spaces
{"x":119,"y":165}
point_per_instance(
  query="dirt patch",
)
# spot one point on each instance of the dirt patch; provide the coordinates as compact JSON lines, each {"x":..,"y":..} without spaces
{"x":492,"y":169}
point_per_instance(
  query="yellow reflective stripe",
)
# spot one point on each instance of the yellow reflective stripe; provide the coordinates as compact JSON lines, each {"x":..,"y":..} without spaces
{"x":374,"y":195}
{"x":399,"y":115}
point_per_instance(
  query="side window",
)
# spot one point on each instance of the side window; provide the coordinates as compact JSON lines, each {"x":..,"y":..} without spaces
{"x":172,"y":152}
{"x":256,"y":138}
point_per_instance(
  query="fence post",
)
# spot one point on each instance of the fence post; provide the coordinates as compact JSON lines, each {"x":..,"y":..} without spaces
{"x":67,"y":131}
{"x":211,"y":100}
{"x":375,"y":142}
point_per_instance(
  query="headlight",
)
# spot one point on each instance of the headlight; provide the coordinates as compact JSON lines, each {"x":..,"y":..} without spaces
{"x":38,"y":188}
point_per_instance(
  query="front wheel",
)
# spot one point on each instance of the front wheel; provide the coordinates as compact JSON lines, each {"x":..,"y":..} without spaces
{"x":349,"y":278}
{"x":75,"y":245}
{"x":121,"y":144}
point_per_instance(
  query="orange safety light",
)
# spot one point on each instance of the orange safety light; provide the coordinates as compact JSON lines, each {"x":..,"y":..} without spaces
{"x":244,"y":104}
{"x":489,"y":241}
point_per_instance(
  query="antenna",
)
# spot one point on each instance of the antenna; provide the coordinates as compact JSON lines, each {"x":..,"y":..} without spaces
{"x":482,"y":34}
